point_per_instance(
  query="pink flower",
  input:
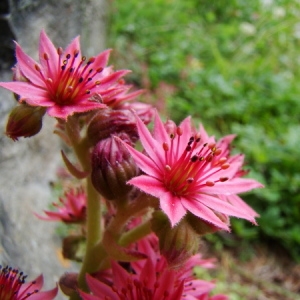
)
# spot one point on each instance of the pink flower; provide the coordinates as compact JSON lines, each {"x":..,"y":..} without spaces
{"x":72,"y":208}
{"x":13,"y":286}
{"x":65,"y":81}
{"x":150,"y":278}
{"x":189,"y":171}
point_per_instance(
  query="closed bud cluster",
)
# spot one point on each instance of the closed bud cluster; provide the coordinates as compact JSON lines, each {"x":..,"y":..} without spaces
{"x":108,"y":122}
{"x":176,"y":244}
{"x":112,"y":167}
{"x":24,"y":121}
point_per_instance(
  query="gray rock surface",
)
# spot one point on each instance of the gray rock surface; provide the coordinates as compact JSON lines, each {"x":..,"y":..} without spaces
{"x":28,"y":166}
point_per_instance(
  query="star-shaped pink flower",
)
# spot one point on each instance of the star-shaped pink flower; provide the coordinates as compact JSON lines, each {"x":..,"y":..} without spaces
{"x":64,"y":81}
{"x":188,"y":171}
{"x":14,"y":287}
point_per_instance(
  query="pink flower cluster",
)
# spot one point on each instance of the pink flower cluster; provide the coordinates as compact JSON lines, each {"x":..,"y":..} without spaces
{"x":181,"y":185}
{"x":152,"y":279}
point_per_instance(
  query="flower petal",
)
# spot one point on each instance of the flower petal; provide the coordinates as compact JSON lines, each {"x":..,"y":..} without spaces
{"x":233,"y":186}
{"x":172,"y":207}
{"x":46,"y":47}
{"x":203,"y":212}
{"x":144,"y":162}
{"x":98,"y":288}
{"x":224,"y":207}
{"x":27,"y":67}
{"x":24,"y":89}
{"x":149,"y":185}
{"x":153,"y":148}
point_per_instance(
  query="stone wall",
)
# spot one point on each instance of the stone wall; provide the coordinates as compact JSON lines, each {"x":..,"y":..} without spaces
{"x":28,"y":166}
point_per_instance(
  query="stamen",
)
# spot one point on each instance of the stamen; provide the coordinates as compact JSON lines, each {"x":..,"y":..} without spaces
{"x":194,"y":158}
{"x":165,"y":146}
{"x":60,"y":51}
{"x":225,"y":166}
{"x":217,"y":152}
{"x":223,"y":179}
{"x":210,"y":183}
{"x":37,"y":67}
{"x":190,"y":180}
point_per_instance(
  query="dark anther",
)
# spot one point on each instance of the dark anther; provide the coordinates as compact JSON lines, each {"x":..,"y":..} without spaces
{"x":194,"y":158}
{"x":68,"y":56}
{"x":80,"y":79}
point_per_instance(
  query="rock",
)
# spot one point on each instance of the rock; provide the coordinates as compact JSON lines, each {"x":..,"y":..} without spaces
{"x":27,"y":167}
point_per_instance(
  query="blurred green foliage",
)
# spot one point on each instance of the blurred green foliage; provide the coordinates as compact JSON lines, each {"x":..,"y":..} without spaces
{"x":235,"y":67}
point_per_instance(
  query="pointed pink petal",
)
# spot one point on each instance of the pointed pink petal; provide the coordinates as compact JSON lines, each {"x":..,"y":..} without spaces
{"x":238,"y":202}
{"x":169,"y":204}
{"x":153,"y":148}
{"x":186,"y":128}
{"x":73,"y":47}
{"x":23,"y":89}
{"x":172,"y":207}
{"x":149,"y":185}
{"x":29,"y":287}
{"x":101,"y":60}
{"x":159,"y":130}
{"x":233,"y":186}
{"x":112,"y":78}
{"x":64,"y":111}
{"x":27,"y":66}
{"x":47,"y":47}
{"x":203,"y":133}
{"x":223,"y":207}
{"x":144,"y":162}
{"x":98,"y":288}
{"x":120,"y":276}
{"x":52,"y":216}
{"x":47,"y":295}
{"x":203,"y":212}
{"x":148,"y":273}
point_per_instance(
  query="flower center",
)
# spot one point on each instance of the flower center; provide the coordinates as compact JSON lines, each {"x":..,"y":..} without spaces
{"x":195,"y":167}
{"x":73,"y":80}
{"x":137,"y":290}
{"x":11,"y":281}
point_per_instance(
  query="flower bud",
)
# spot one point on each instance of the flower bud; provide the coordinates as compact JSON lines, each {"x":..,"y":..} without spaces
{"x":24,"y":121}
{"x":68,"y":283}
{"x":109,"y":122}
{"x":112,"y":167}
{"x":177,"y":244}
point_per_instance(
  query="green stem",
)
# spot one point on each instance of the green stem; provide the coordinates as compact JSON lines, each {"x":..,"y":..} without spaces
{"x":135,"y":234}
{"x":93,"y":212}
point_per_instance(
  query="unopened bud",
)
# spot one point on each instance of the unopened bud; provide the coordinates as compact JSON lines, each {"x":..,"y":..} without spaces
{"x":177,"y":244}
{"x":24,"y":121}
{"x":68,"y":283}
{"x":108,"y":122}
{"x":112,"y":167}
